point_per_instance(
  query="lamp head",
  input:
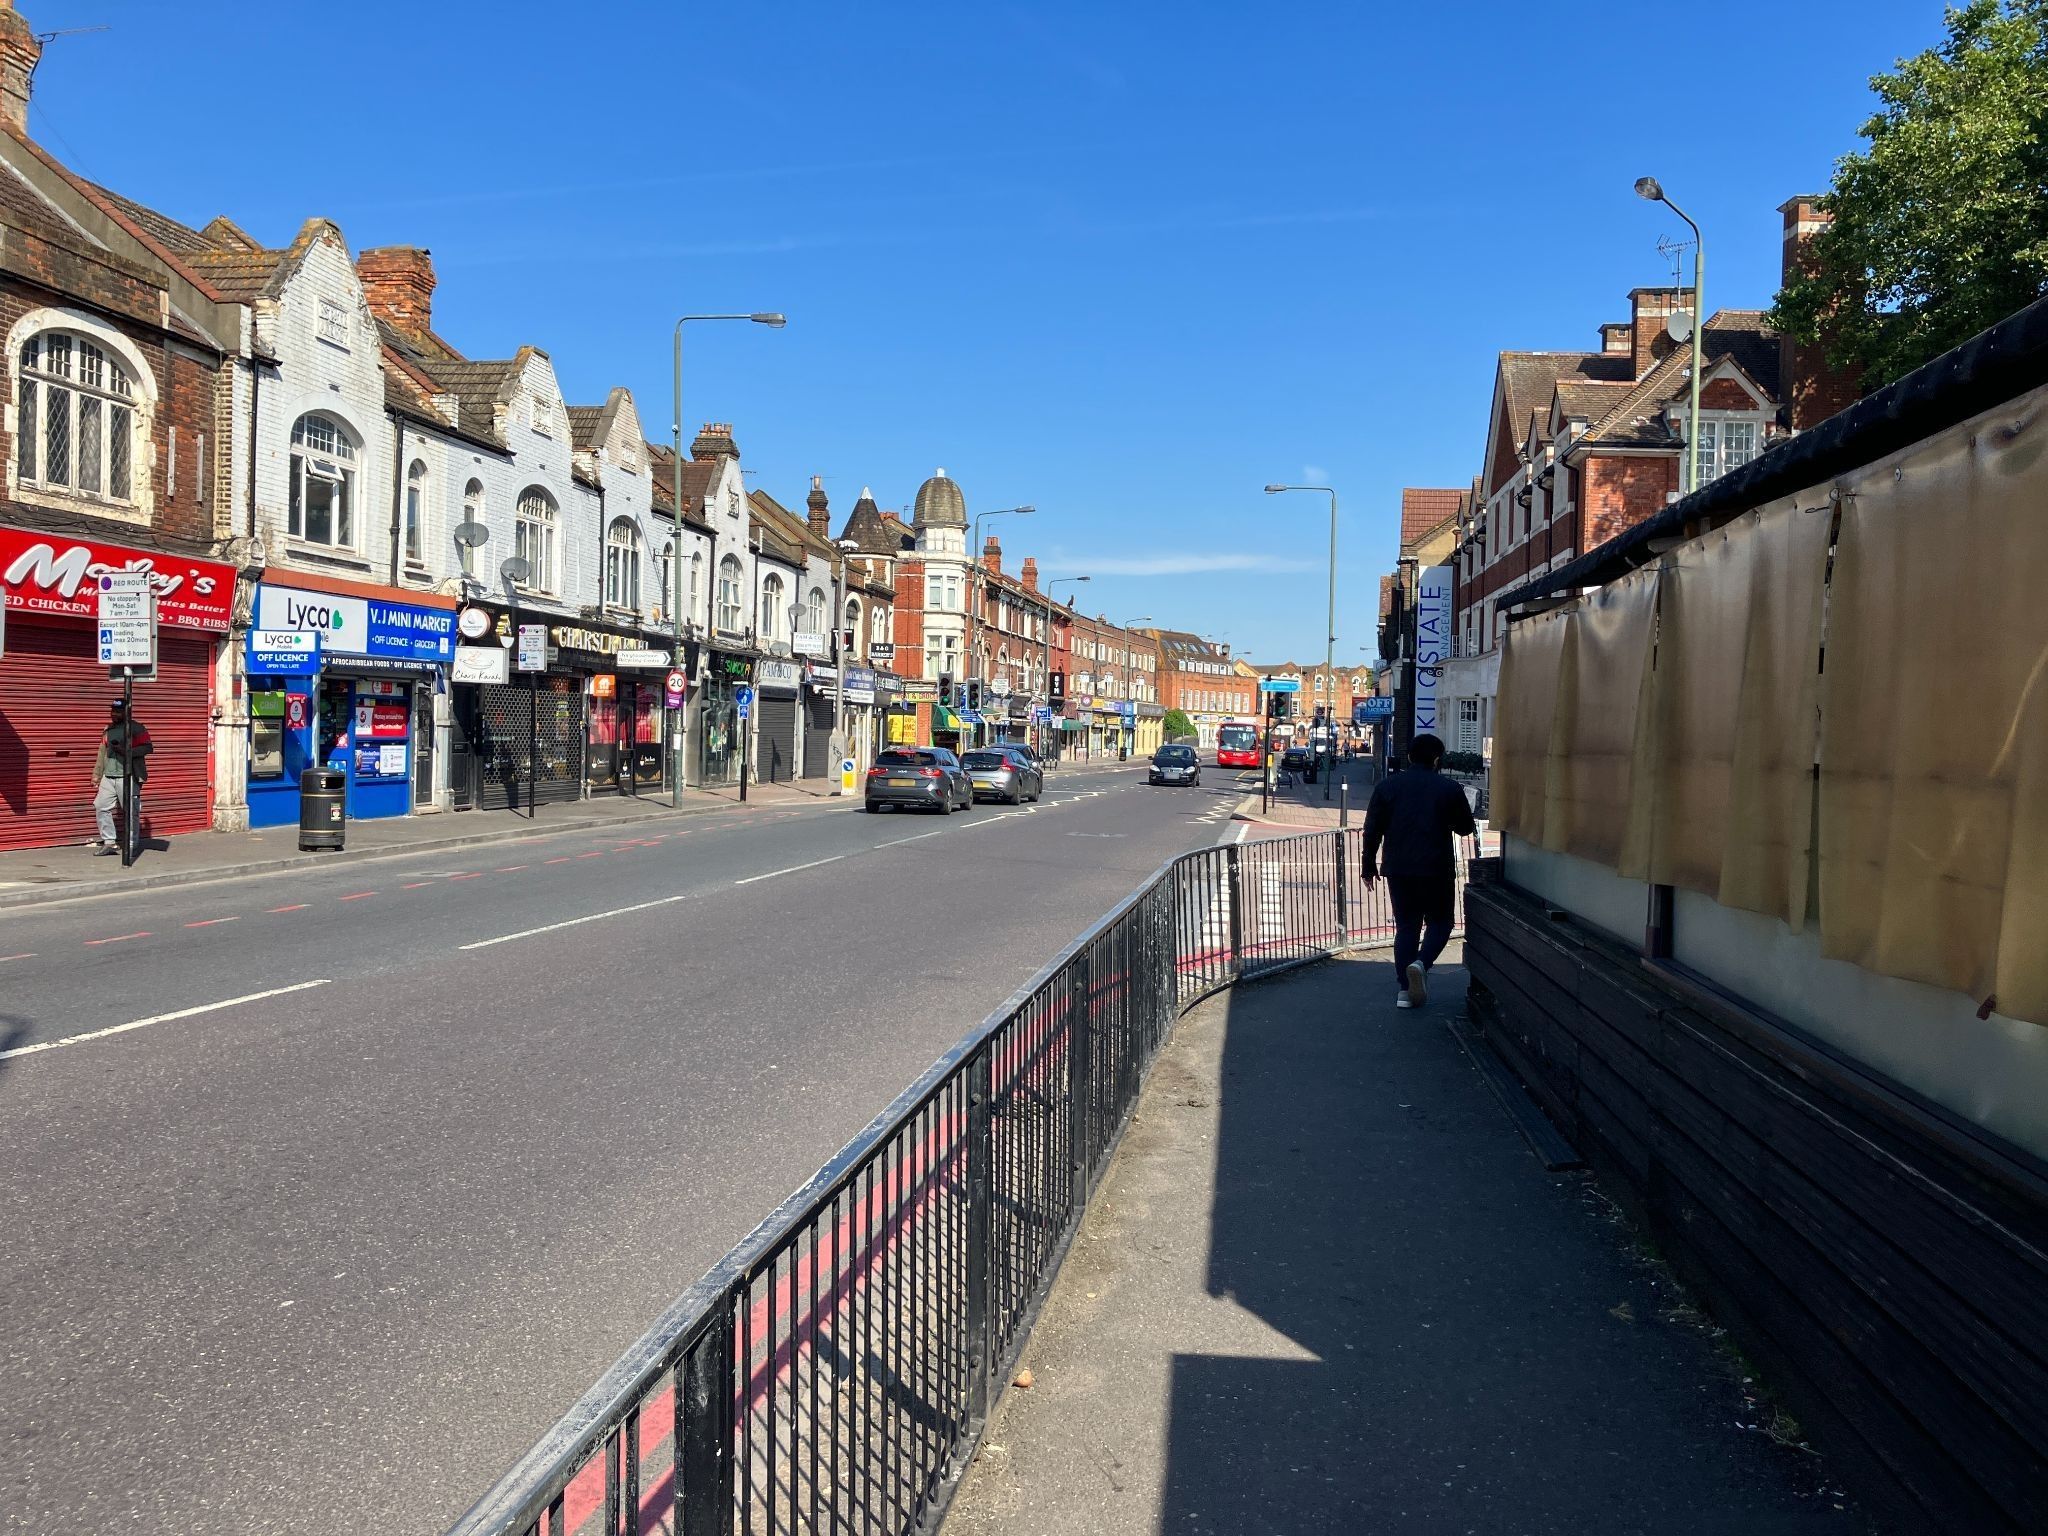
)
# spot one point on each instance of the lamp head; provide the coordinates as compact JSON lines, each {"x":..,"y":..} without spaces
{"x":1647,"y":186}
{"x":1274,"y":490}
{"x":776,"y":320}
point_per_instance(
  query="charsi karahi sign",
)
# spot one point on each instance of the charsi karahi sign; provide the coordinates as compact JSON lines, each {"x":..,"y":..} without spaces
{"x":45,"y":574}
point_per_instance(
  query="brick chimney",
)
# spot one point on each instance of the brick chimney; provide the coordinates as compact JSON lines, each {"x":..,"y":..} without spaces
{"x":1649,"y":308}
{"x":992,"y":556}
{"x":1029,"y":575}
{"x":398,"y":281}
{"x":714,"y":441}
{"x":19,"y":52}
{"x":1813,"y":389}
{"x":1617,"y":336}
{"x":820,"y":509}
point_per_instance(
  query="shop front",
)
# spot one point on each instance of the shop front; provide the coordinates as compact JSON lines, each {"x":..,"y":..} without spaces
{"x":776,"y":688}
{"x":54,"y":691}
{"x":820,"y":721}
{"x":344,"y":678}
{"x":625,"y":704}
{"x":718,"y":718}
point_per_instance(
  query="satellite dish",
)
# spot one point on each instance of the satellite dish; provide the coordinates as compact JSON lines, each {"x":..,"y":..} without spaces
{"x":468,"y":535}
{"x":1678,"y":325}
{"x":517,"y":569}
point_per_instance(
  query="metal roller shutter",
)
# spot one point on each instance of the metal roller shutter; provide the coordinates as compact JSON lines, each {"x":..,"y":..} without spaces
{"x":53,"y":711}
{"x":818,"y":762}
{"x":520,"y":728}
{"x":778,"y":740}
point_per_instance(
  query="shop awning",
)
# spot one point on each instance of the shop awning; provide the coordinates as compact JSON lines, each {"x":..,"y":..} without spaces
{"x":1073,"y":725}
{"x":944,"y":719}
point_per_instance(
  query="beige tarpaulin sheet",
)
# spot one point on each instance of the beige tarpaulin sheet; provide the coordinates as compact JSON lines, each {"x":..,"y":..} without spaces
{"x":1934,"y":725}
{"x":1591,"y":810}
{"x":1735,"y":714}
{"x":1531,"y":662}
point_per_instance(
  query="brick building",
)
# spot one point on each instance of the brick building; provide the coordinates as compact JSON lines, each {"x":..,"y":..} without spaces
{"x":1582,"y":446}
{"x":1200,"y":679}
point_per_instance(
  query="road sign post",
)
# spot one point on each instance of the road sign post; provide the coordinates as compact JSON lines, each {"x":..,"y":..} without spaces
{"x":743,"y":699}
{"x":127,"y":644}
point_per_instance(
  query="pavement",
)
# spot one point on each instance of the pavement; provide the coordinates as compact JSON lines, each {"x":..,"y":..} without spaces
{"x":1299,"y":806}
{"x":32,"y":875}
{"x":1326,"y":1288}
{"x":330,"y":1188}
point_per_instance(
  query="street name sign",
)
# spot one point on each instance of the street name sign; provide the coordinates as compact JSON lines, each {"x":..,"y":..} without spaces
{"x":641,"y":656}
{"x":1279,"y":685}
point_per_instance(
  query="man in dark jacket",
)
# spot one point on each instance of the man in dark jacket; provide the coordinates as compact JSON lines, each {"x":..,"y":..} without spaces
{"x":126,"y":742}
{"x":1414,"y":816}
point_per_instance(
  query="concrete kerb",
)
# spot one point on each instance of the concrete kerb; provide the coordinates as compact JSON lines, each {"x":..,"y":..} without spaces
{"x":54,"y":893}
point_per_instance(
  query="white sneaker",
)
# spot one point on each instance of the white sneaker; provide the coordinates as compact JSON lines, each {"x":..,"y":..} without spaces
{"x":1401,"y":1000}
{"x":1418,"y":984}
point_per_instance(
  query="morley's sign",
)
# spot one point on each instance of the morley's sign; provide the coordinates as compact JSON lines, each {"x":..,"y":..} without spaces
{"x":41,"y":573}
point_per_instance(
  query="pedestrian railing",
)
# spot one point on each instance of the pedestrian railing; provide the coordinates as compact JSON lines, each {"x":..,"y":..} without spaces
{"x":833,"y":1372}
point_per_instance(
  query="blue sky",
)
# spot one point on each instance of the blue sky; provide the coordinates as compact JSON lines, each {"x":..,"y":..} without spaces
{"x":1125,"y":262}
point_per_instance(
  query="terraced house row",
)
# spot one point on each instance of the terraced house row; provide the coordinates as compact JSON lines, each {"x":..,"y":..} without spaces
{"x":376,"y":553}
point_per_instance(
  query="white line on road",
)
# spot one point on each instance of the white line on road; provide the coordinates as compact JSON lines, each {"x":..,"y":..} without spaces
{"x":577,"y":922}
{"x":896,"y":842}
{"x":791,"y":870}
{"x":161,"y":1018}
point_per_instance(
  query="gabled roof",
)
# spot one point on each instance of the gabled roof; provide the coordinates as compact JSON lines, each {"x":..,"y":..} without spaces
{"x":586,"y":426}
{"x":699,"y":476}
{"x":789,"y":526}
{"x":1589,"y":399}
{"x":1736,"y":334}
{"x":1423,"y":511}
{"x":478,"y":388}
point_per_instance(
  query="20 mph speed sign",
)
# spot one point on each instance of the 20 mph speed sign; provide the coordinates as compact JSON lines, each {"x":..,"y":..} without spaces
{"x":677,"y":682}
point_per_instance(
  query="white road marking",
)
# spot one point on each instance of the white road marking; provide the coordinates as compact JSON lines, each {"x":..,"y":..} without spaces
{"x":791,"y":870}
{"x":577,"y":922}
{"x":160,"y":1018}
{"x":918,"y":838}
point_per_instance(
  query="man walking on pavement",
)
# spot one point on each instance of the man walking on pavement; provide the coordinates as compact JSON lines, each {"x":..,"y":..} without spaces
{"x":1415,"y":816}
{"x":124,"y":738}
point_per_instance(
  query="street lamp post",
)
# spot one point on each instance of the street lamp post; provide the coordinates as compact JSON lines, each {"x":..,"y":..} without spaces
{"x":842,"y":654}
{"x":1130,"y":694}
{"x":675,"y":735}
{"x":1689,"y":469}
{"x":1330,"y":635}
{"x":977,"y":592}
{"x":1045,"y":670}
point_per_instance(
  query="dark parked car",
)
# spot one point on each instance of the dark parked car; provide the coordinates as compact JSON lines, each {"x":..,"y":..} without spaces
{"x":923,"y":778}
{"x":1175,"y":765}
{"x":1003,"y":773}
{"x":1299,"y":760}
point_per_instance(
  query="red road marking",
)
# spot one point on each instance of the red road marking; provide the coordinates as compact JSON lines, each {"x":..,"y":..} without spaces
{"x":119,"y":938}
{"x":510,"y":869}
{"x":208,"y":922}
{"x":562,"y":860}
{"x":358,"y":896}
{"x":27,"y":954}
{"x":415,"y":885}
{"x":595,"y":853}
{"x":476,"y":875}
{"x":297,"y":906}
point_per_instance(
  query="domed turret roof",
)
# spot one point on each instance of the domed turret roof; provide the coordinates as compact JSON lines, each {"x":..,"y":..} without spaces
{"x":939,"y":503}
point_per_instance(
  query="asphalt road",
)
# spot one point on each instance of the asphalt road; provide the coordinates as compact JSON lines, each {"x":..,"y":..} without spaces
{"x":334,"y":1253}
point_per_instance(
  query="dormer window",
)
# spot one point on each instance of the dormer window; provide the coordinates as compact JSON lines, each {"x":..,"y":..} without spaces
{"x":1724,"y":445}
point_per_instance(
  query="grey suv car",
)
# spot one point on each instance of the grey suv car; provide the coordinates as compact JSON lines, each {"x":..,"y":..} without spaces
{"x":921,"y":778}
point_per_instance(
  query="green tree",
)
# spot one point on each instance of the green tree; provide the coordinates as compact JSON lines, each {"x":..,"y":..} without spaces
{"x":1941,"y":226}
{"x":1177,"y":725}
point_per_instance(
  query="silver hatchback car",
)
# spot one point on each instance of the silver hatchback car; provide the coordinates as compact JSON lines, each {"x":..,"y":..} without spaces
{"x":920,"y":778}
{"x":1000,"y":773}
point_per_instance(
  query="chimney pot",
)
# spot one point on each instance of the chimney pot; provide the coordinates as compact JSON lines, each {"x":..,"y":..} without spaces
{"x":398,"y":283}
{"x":19,"y":52}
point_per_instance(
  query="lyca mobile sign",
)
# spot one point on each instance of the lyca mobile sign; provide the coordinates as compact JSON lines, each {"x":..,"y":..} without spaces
{"x":357,"y":626}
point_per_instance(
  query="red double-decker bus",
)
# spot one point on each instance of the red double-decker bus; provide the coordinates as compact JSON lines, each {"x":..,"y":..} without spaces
{"x":1237,"y":744}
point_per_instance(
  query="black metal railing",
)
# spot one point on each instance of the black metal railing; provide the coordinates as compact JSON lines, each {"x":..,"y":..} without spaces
{"x":832,"y":1373}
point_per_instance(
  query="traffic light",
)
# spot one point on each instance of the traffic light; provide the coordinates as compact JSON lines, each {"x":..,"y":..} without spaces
{"x":974,"y":694}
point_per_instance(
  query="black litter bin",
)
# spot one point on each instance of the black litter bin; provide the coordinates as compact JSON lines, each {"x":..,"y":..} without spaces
{"x":323,"y":808}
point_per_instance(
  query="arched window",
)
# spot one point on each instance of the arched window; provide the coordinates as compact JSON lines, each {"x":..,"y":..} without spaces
{"x":535,"y":541}
{"x":1319,"y":682}
{"x":76,"y":432}
{"x":323,"y":492}
{"x":878,"y":626}
{"x":814,"y":611}
{"x":851,"y":619}
{"x":415,"y":510}
{"x":771,"y":607}
{"x":472,"y":512}
{"x":622,"y":564}
{"x":729,"y":578}
{"x":1357,"y":683}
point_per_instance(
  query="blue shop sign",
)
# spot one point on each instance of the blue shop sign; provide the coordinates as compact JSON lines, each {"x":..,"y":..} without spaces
{"x":359,"y":626}
{"x":1379,"y":707}
{"x":284,"y":652}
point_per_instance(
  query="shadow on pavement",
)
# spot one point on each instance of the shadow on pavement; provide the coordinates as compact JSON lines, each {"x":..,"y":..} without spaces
{"x":1459,"y":1341}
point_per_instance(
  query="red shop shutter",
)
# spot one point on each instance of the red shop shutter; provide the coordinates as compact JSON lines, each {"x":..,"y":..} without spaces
{"x":53,"y":712}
